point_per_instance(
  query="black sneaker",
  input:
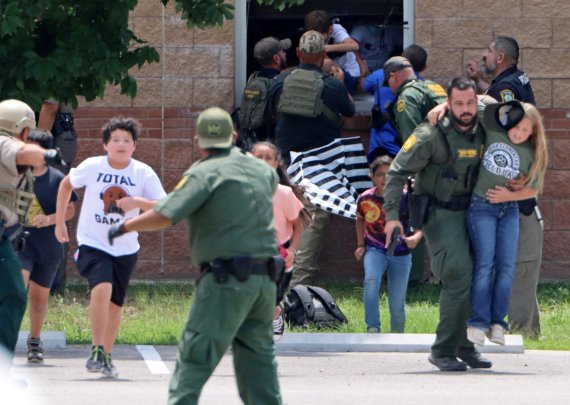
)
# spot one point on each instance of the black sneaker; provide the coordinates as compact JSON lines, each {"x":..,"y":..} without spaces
{"x":447,"y":363}
{"x":278,"y":327}
{"x":35,"y":350}
{"x":95,"y":361}
{"x":473,"y":358}
{"x":109,"y":370}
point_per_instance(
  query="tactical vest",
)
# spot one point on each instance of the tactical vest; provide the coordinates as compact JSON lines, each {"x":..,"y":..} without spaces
{"x":302,"y":95}
{"x":254,"y":113}
{"x":15,"y":203}
{"x":455,"y":177}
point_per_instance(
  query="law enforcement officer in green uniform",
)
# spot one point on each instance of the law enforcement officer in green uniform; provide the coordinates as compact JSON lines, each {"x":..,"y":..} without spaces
{"x":227,"y":199}
{"x":16,"y":195}
{"x":444,"y":160}
{"x":414,"y":97}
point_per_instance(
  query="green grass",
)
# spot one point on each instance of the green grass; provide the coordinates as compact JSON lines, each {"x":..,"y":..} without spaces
{"x":154,"y":313}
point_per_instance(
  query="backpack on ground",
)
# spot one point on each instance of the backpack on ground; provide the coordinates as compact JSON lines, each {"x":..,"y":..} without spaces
{"x":307,"y":305}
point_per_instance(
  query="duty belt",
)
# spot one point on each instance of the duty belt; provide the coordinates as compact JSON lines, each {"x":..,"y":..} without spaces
{"x":457,"y":203}
{"x":257,"y":266}
{"x":242,"y":267}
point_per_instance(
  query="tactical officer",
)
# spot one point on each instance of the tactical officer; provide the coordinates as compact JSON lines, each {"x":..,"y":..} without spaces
{"x":227,"y":199}
{"x":308,"y":105}
{"x":510,"y":83}
{"x":443,"y":159}
{"x":16,"y":195}
{"x":414,"y":97}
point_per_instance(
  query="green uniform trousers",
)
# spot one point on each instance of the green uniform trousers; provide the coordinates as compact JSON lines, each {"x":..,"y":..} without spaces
{"x":12,"y":297}
{"x":233,"y":313}
{"x":307,"y":259}
{"x":452,"y":263}
{"x":524,"y":315}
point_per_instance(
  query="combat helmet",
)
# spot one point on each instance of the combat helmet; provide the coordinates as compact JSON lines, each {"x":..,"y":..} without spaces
{"x":16,"y":115}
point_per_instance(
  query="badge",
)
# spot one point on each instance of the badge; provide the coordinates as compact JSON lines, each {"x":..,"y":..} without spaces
{"x":467,"y":153}
{"x":506,"y":95}
{"x":409,"y":144}
{"x":400,"y":106}
{"x":181,"y":183}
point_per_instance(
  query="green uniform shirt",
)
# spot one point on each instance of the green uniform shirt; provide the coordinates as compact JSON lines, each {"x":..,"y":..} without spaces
{"x":415,"y":98}
{"x":503,"y":160}
{"x":427,"y":154}
{"x":227,"y":199}
{"x":10,"y":174}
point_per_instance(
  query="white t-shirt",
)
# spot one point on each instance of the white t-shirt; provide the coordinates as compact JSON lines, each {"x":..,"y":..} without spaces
{"x":348,"y":60}
{"x":103,"y":187}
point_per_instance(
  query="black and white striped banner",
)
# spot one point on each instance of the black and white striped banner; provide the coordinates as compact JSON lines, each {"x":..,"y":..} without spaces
{"x":333,"y":175}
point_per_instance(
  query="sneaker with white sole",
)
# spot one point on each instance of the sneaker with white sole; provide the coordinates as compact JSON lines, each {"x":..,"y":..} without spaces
{"x":496,"y":334}
{"x":372,"y":330}
{"x":35,"y":350}
{"x":109,"y":370}
{"x":476,"y":335}
{"x":278,"y":327}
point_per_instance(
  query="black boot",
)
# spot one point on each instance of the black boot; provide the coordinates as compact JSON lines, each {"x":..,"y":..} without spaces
{"x":447,"y":363}
{"x":473,"y":358}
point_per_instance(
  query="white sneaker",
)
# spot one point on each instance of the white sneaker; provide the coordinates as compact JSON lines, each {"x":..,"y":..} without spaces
{"x":476,"y":335}
{"x":278,"y":328}
{"x":496,"y":334}
{"x":372,"y":330}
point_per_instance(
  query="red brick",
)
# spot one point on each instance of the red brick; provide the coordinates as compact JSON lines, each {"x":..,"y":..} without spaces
{"x":556,"y":184}
{"x":557,"y":134}
{"x":556,"y":246}
{"x":553,"y":114}
{"x":171,"y":178}
{"x":178,"y":154}
{"x":176,"y":245}
{"x":555,"y":271}
{"x":560,"y":124}
{"x":151,"y":245}
{"x":560,"y":156}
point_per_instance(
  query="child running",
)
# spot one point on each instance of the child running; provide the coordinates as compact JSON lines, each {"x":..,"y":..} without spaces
{"x":116,"y":187}
{"x":42,"y":253}
{"x":289,"y":221}
{"x":371,"y":239}
{"x":515,"y":147}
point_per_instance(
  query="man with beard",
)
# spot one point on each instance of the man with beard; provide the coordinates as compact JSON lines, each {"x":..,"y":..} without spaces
{"x":256,"y":122}
{"x":414,"y":97}
{"x":510,"y":83}
{"x":443,"y":160}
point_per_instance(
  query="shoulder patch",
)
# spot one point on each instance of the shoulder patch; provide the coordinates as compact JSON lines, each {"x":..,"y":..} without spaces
{"x":181,"y":183}
{"x":409,"y":144}
{"x":437,"y":89}
{"x":507,"y":95}
{"x":400,"y":106}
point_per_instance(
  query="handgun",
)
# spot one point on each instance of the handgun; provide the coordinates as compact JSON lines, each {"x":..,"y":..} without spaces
{"x":393,"y":241}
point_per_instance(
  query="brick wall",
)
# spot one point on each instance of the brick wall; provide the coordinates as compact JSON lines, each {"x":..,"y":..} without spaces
{"x":197,"y":70}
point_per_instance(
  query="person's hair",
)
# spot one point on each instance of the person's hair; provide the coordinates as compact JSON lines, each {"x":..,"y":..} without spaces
{"x":380,"y":161}
{"x":461,"y":83}
{"x":417,"y":57}
{"x":538,"y":140}
{"x":508,"y":46}
{"x":42,"y":137}
{"x":128,"y":124}
{"x":298,"y":190}
{"x":318,"y":20}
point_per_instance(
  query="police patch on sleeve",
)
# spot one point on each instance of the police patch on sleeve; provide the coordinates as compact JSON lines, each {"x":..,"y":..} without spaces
{"x":401,"y":106}
{"x":506,"y":95}
{"x":181,"y":183}
{"x":409,"y":144}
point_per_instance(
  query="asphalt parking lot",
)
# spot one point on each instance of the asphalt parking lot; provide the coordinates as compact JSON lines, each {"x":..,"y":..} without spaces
{"x":533,"y":377}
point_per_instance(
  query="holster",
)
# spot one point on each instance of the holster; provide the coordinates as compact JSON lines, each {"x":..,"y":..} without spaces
{"x":418,"y":207}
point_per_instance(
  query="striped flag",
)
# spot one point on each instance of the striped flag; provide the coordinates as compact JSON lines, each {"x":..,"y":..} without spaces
{"x":333,"y":175}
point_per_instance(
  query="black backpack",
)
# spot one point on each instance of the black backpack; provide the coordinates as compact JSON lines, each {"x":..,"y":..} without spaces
{"x":306,"y":305}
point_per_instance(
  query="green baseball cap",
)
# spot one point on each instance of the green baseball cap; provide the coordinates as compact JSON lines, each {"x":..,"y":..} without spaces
{"x":215,"y":129}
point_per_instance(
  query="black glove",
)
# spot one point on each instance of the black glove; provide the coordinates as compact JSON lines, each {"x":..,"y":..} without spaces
{"x":53,"y":157}
{"x":116,"y":230}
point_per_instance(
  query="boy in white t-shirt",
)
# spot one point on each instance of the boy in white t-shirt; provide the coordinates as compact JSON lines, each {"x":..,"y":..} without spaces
{"x":117,"y":187}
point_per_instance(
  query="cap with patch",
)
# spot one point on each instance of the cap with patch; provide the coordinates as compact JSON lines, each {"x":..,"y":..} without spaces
{"x":394,"y":64}
{"x":267,"y":47}
{"x":214,"y":129}
{"x":312,"y":42}
{"x":503,"y":116}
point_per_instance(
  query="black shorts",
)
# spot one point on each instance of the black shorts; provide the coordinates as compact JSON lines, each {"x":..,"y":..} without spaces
{"x":41,"y":273}
{"x":100,"y":267}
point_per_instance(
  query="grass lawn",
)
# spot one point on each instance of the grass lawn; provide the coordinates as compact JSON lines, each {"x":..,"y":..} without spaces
{"x":154,"y":313}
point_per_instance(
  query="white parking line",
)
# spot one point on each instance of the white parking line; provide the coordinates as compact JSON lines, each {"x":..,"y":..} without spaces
{"x":152,"y":359}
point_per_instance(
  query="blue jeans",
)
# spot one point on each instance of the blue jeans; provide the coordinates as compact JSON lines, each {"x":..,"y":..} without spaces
{"x":494,"y":233}
{"x":376,"y":263}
